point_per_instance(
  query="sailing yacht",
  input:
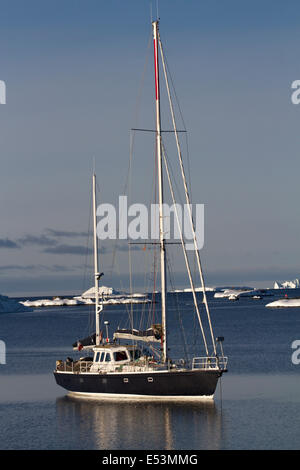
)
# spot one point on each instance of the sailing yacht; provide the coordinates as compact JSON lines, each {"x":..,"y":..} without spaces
{"x":129,"y":370}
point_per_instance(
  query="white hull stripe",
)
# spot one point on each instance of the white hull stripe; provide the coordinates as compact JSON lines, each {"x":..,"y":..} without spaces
{"x":129,"y":397}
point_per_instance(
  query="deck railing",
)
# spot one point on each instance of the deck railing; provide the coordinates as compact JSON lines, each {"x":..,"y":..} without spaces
{"x":76,"y":366}
{"x":204,"y":363}
{"x":210,"y":362}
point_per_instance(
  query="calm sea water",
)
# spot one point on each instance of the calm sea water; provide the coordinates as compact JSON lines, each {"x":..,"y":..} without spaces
{"x":256,"y":406}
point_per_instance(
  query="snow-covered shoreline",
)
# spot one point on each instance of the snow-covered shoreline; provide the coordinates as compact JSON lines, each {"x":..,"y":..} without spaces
{"x":284,"y":303}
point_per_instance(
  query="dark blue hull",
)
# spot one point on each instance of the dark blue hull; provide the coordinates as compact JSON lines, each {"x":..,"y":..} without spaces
{"x":187,"y":383}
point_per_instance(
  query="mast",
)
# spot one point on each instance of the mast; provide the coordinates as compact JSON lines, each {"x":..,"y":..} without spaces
{"x":98,"y":308}
{"x":161,"y":199}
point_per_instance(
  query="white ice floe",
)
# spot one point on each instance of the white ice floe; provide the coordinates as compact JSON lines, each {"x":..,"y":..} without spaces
{"x":88,"y":298}
{"x":284,"y":303}
{"x":295,"y":284}
{"x":118,"y":300}
{"x":234,"y":294}
{"x":226,"y":293}
{"x":8,"y":305}
{"x":56,"y":302}
{"x":197,"y":289}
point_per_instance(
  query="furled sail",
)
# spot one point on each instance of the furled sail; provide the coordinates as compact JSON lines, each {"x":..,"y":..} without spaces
{"x":86,"y":343}
{"x":150,"y":335}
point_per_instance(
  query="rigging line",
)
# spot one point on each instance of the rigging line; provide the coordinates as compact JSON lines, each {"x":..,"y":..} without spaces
{"x":87,"y":246}
{"x":137,"y":110}
{"x":128,"y":178}
{"x":147,"y":281}
{"x":139,"y":97}
{"x":147,"y":278}
{"x":154,"y":286}
{"x":90,"y":317}
{"x":130,"y":289}
{"x":183,"y":122}
{"x":188,"y":201}
{"x":221,"y":394}
{"x":122,"y":287}
{"x":184,"y":253}
{"x":127,"y":188}
{"x":178,"y":311}
{"x":155,"y":131}
{"x":173,"y":175}
{"x":143,"y":308}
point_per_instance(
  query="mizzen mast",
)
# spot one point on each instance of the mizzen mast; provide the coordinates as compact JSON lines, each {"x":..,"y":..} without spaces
{"x":98,"y":307}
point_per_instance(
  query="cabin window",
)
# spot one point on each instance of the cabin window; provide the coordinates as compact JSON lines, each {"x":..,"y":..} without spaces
{"x":120,"y":356}
{"x":97,"y":357}
{"x":135,"y":354}
{"x":107,"y":357}
{"x":102,"y":356}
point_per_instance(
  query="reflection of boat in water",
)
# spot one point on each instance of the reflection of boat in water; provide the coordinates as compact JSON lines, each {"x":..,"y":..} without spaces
{"x":131,"y":370}
{"x":134,"y":425}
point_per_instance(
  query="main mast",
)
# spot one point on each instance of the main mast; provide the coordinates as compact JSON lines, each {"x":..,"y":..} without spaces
{"x":160,"y":195}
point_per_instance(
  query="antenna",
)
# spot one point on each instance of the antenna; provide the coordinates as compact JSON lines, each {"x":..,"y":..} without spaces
{"x":157,"y":15}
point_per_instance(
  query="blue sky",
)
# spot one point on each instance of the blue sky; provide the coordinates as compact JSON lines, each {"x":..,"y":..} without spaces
{"x":73,"y":70}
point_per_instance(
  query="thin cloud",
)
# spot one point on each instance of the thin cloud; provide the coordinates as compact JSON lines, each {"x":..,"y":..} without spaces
{"x":38,"y":267}
{"x":15,"y":267}
{"x":6,"y":243}
{"x":62,"y":233}
{"x":133,"y":246}
{"x":68,"y":250}
{"x":41,"y":240}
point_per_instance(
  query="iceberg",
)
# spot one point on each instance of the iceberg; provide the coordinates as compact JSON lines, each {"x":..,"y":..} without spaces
{"x":108,"y":296}
{"x":287,"y":284}
{"x":235,"y":294}
{"x":103,"y":291}
{"x":226,"y":293}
